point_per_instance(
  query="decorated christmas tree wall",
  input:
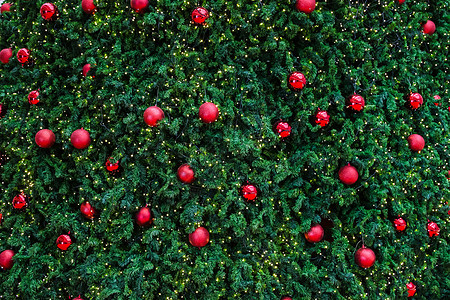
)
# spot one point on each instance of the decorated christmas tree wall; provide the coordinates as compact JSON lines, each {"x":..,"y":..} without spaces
{"x":224,"y":149}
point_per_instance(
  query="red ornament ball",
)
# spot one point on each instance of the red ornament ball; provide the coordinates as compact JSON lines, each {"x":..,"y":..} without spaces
{"x":306,"y":6}
{"x":23,"y":56}
{"x":80,"y":139}
{"x":88,"y":210}
{"x":2,"y":110}
{"x":5,"y":7}
{"x":88,"y":6}
{"x":322,"y":118}
{"x":199,"y":238}
{"x":286,"y":298}
{"x":86,"y":69}
{"x":49,"y":11}
{"x":139,"y":6}
{"x":185,"y":173}
{"x":33,"y":97}
{"x":199,"y":15}
{"x":208,"y":112}
{"x":365,"y":257}
{"x":415,"y":101}
{"x":429,"y":27}
{"x":45,"y":138}
{"x":348,"y":174}
{"x":401,"y":1}
{"x":416,"y":142}
{"x":20,"y":201}
{"x":433,"y":229}
{"x":6,"y":259}
{"x":355,"y":102}
{"x":283,"y":129}
{"x":411,"y":289}
{"x":315,"y":234}
{"x":111,"y":166}
{"x":153,"y":115}
{"x":5,"y":55}
{"x":63,"y":242}
{"x":296,"y":81}
{"x":249,"y":192}
{"x":78,"y":298}
{"x":144,"y":216}
{"x":1,"y":219}
{"x":399,"y":224}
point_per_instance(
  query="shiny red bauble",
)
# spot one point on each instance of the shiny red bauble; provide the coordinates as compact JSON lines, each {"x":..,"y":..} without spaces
{"x":322,"y":118}
{"x":5,"y":55}
{"x":20,"y":201}
{"x":45,"y":138}
{"x":348,"y":174}
{"x":144,"y":216}
{"x":5,"y":7}
{"x":416,"y":142}
{"x":415,"y":101}
{"x":208,"y":112}
{"x":286,"y":298}
{"x":306,"y":6}
{"x":283,"y":129}
{"x":63,"y":242}
{"x":185,"y":173}
{"x":315,"y":234}
{"x":33,"y":97}
{"x":49,"y":11}
{"x":139,"y":6}
{"x":88,"y":210}
{"x":296,"y":81}
{"x":199,"y":238}
{"x":411,"y":289}
{"x":1,"y":219}
{"x":78,"y":298}
{"x":399,"y":224}
{"x":152,"y":115}
{"x":80,"y":139}
{"x":6,"y":259}
{"x":199,"y":15}
{"x":433,"y":229}
{"x":112,"y":166}
{"x":88,"y":6}
{"x":355,"y":103}
{"x":249,"y":192}
{"x":365,"y":257}
{"x":429,"y":27}
{"x":23,"y":56}
{"x":2,"y":110}
{"x":401,"y":1}
{"x":86,"y":69}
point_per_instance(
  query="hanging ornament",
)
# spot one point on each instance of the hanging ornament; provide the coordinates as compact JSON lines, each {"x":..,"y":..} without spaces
{"x":5,"y":55}
{"x":86,"y":69}
{"x":208,"y":112}
{"x":348,"y":174}
{"x":78,"y":298}
{"x":185,"y":173}
{"x":113,"y":167}
{"x":365,"y":257}
{"x":33,"y":97}
{"x":399,"y":224}
{"x":139,"y":6}
{"x":80,"y":139}
{"x":45,"y":138}
{"x":306,"y":6}
{"x":199,"y":238}
{"x":20,"y":201}
{"x":433,"y":229}
{"x":411,"y":289}
{"x":199,"y":15}
{"x":152,"y":115}
{"x":296,"y":81}
{"x":5,"y":7}
{"x":355,"y":102}
{"x":144,"y":216}
{"x":2,"y":110}
{"x":315,"y":234}
{"x":1,"y":219}
{"x":6,"y":259}
{"x":23,"y":56}
{"x":415,"y":100}
{"x":286,"y":298}
{"x":322,"y":118}
{"x":416,"y":142}
{"x":49,"y":12}
{"x":88,"y":6}
{"x":64,"y":241}
{"x":401,"y":1}
{"x":249,"y":191}
{"x":283,"y":129}
{"x":429,"y":27}
{"x":88,"y":210}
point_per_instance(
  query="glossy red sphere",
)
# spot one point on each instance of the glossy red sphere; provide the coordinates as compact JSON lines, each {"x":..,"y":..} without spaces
{"x":48,"y":11}
{"x":315,"y":234}
{"x":306,"y":6}
{"x":139,"y":6}
{"x":296,"y":81}
{"x":365,"y":257}
{"x":45,"y":138}
{"x":63,"y":242}
{"x":429,"y":27}
{"x":33,"y":97}
{"x":199,"y":15}
{"x":87,"y":210}
{"x":144,"y":216}
{"x":86,"y":69}
{"x":23,"y":55}
{"x":5,"y":55}
{"x":208,"y":112}
{"x":153,"y":115}
{"x":199,"y":238}
{"x":6,"y":259}
{"x":80,"y":139}
{"x":88,"y":6}
{"x":185,"y":173}
{"x":5,"y":7}
{"x":348,"y":174}
{"x":416,"y":142}
{"x":355,"y":102}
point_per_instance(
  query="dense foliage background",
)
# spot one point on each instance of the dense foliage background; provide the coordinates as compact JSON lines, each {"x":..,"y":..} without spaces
{"x":240,"y":61}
